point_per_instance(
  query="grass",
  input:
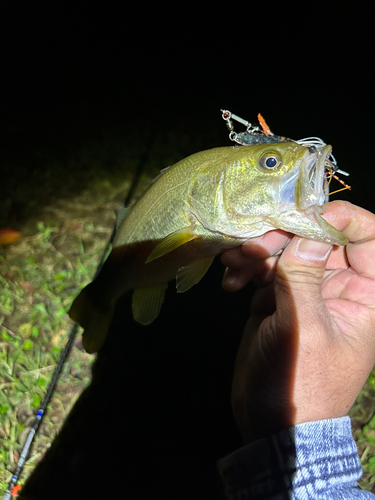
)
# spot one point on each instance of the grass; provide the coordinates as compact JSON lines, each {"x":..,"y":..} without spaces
{"x":64,"y":209}
{"x":39,"y":277}
{"x":363,"y":423}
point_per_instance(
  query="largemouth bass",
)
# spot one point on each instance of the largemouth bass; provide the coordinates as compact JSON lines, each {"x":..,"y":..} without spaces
{"x":204,"y":204}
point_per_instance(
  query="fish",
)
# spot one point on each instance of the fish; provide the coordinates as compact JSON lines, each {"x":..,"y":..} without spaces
{"x":205,"y":204}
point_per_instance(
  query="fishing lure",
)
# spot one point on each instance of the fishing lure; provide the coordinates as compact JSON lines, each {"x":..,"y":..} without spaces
{"x":263,"y":135}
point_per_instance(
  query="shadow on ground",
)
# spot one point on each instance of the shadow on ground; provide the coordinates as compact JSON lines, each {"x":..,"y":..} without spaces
{"x":157,"y":415}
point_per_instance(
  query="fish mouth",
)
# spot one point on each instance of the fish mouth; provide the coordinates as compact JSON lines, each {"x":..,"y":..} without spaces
{"x":303,"y":194}
{"x":304,"y":187}
{"x":315,"y":167}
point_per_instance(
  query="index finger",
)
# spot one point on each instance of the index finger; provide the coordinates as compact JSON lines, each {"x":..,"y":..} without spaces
{"x":261,"y":247}
{"x":358,"y":225}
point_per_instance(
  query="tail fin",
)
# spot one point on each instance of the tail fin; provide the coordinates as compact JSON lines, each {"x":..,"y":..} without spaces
{"x":95,"y":321}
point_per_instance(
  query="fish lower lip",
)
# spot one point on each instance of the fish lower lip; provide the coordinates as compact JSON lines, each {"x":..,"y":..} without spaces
{"x":310,"y":210}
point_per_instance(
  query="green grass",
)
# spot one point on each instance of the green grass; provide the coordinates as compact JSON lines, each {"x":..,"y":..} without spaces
{"x":38,"y":278}
{"x":363,"y":423}
{"x":64,"y":209}
{"x":63,"y":237}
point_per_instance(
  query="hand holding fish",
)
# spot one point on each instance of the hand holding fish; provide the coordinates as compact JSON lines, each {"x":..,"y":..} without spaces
{"x":308,"y":346}
{"x":256,"y":259}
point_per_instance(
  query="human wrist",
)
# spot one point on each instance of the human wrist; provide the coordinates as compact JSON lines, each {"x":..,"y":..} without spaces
{"x":305,"y":459}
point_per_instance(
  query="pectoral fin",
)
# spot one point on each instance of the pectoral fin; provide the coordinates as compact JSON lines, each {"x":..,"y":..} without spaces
{"x":171,"y":242}
{"x":191,"y":275}
{"x":147,"y":303}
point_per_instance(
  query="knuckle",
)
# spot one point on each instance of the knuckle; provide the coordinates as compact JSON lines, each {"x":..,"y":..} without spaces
{"x":293,"y":275}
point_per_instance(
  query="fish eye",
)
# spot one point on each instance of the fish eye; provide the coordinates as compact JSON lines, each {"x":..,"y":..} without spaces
{"x":270,"y":160}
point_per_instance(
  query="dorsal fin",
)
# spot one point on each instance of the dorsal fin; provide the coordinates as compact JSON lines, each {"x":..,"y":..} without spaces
{"x":160,"y":174}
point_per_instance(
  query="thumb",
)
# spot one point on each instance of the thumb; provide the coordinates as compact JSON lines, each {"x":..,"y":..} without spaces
{"x":298,"y":280}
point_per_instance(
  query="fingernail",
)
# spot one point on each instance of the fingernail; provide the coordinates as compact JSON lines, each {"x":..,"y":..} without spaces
{"x":230,"y":278}
{"x":313,"y":250}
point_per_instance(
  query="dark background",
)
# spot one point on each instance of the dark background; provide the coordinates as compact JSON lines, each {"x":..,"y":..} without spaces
{"x":70,"y":71}
{"x":157,"y":415}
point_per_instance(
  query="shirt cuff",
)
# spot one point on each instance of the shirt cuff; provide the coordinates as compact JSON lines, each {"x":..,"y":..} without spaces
{"x":305,"y":460}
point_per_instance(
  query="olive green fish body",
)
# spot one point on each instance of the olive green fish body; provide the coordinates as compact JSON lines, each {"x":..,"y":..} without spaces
{"x":209,"y":202}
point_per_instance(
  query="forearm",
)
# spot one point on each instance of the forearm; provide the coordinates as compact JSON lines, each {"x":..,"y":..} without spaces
{"x":315,"y":460}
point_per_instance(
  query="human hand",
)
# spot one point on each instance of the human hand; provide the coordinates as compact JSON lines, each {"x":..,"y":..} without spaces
{"x":309,"y":344}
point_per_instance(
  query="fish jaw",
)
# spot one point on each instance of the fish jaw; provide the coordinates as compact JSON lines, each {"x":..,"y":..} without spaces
{"x":303,"y":189}
{"x":309,"y":187}
{"x":309,"y":224}
{"x":302,"y":186}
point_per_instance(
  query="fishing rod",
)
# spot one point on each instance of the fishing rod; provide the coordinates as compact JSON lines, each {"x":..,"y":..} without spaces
{"x":12,"y":487}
